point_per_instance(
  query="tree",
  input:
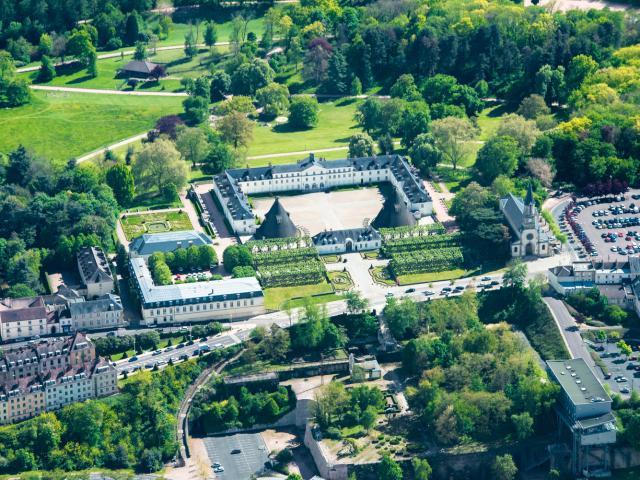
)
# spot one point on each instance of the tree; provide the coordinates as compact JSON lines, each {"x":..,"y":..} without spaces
{"x":92,"y":66}
{"x":219,"y":158}
{"x":236,"y":255}
{"x":132,"y":28}
{"x":405,"y":88}
{"x":220,"y":85}
{"x":542,"y":170}
{"x":196,"y":109}
{"x":45,"y":44}
{"x":251,"y":76}
{"x":533,"y":107}
{"x":210,"y":35}
{"x":414,"y":121}
{"x":159,"y":164}
{"x":580,"y":67}
{"x":47,"y":70}
{"x":424,"y":154}
{"x":151,"y":460}
{"x":169,"y":125}
{"x":190,"y":47}
{"x":303,"y":112}
{"x":192,"y":144}
{"x":388,"y":469}
{"x":523,"y":131}
{"x":504,"y":468}
{"x":274,"y":99}
{"x":120,"y":179}
{"x":523,"y":425}
{"x":421,"y":468}
{"x":452,"y":136}
{"x":624,"y":348}
{"x":368,"y":417}
{"x":498,"y":156}
{"x":385,"y":144}
{"x":356,"y":303}
{"x":356,"y":87}
{"x":316,"y":60}
{"x":236,"y":129}
{"x":515,"y":276}
{"x":140,"y":53}
{"x":337,"y":79}
{"x":79,"y":45}
{"x":361,"y":145}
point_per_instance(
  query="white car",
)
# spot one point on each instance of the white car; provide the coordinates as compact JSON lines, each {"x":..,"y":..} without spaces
{"x":218,"y":469}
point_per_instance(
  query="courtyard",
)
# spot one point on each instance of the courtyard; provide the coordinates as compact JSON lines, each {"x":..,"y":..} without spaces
{"x":332,"y":210}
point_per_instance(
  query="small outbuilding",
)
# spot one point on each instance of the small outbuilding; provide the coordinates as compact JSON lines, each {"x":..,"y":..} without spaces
{"x":143,"y":69}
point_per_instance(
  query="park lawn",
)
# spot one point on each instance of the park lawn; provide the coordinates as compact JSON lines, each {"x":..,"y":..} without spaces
{"x":433,"y":276}
{"x":179,"y":30}
{"x":335,"y":126}
{"x":137,"y":224}
{"x":489,"y":120}
{"x":63,"y":125}
{"x":454,"y":180}
{"x":275,"y":297}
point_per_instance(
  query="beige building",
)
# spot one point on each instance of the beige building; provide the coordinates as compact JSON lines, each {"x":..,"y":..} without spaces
{"x":105,"y":312}
{"x":51,"y":374}
{"x":25,"y":318}
{"x":94,"y":272}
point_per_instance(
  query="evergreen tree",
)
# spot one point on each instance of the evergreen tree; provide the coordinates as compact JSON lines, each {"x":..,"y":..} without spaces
{"x":47,"y":70}
{"x":140,"y":52}
{"x":337,"y":81}
{"x":132,"y":29}
{"x":92,"y":67}
{"x":120,"y":179}
{"x":210,"y":35}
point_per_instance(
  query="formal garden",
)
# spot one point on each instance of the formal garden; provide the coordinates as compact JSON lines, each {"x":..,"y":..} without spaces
{"x":134,"y":225}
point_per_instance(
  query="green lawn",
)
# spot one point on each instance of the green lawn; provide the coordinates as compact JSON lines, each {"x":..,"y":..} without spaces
{"x":334,"y":155}
{"x":341,"y":281}
{"x":433,"y":276}
{"x":135,"y":225}
{"x":453,"y":179}
{"x":62,"y":125}
{"x":275,"y":298}
{"x":335,"y":126}
{"x":179,"y":30}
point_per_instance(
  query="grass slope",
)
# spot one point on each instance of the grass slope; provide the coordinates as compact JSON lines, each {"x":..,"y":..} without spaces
{"x":61,"y":125}
{"x":335,"y":126}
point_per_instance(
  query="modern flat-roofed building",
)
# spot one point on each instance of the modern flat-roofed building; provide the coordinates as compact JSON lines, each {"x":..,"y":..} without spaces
{"x":586,"y":423}
{"x":231,"y":187}
{"x":50,"y":374}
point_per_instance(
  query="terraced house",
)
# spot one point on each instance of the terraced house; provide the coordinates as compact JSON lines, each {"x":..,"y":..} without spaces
{"x":51,"y":374}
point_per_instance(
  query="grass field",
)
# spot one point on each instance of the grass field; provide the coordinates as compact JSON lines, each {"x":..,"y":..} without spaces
{"x":432,"y":276}
{"x":135,"y":225}
{"x":61,"y":125}
{"x":179,"y":30}
{"x":275,"y":298}
{"x":335,"y":126}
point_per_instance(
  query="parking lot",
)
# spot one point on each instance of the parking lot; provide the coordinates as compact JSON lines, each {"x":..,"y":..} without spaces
{"x":606,"y":228}
{"x":622,"y":375}
{"x":239,"y":456}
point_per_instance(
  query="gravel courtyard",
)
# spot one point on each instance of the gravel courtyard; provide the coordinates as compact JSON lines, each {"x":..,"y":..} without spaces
{"x":318,"y":211}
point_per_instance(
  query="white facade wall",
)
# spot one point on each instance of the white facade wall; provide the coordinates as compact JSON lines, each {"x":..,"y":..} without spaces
{"x":99,"y":289}
{"x":98,"y":320}
{"x":313,"y":179}
{"x":242,"y":308}
{"x":23,"y":329}
{"x":336,"y":248}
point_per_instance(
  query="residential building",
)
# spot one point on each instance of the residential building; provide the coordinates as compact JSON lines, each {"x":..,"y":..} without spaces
{"x":50,"y":374}
{"x":230,"y":189}
{"x":528,"y":236}
{"x":345,"y":241}
{"x":102,"y":313}
{"x":95,"y":273}
{"x":198,"y":301}
{"x":586,"y":423}
{"x":146,"y":244}
{"x":25,"y":317}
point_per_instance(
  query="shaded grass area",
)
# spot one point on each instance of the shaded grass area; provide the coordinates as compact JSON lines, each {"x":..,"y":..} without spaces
{"x":335,"y":126}
{"x":276,"y":298}
{"x":135,"y":225}
{"x":454,"y":180}
{"x":62,"y":125}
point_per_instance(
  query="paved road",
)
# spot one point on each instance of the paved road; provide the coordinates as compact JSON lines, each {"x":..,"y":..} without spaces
{"x":135,"y":93}
{"x":571,"y":333}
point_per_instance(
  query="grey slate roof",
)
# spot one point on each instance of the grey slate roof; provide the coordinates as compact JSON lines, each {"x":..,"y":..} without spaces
{"x":139,"y":66}
{"x":276,"y":224}
{"x":168,"y":241}
{"x":93,"y":265}
{"x":236,"y":201}
{"x":337,"y":237}
{"x":21,"y":309}
{"x":513,"y":209}
{"x":105,"y":303}
{"x":394,"y":213}
{"x":152,"y":296}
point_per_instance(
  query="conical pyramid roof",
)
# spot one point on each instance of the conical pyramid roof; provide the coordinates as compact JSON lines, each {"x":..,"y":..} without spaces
{"x":394,"y":213}
{"x":276,"y":224}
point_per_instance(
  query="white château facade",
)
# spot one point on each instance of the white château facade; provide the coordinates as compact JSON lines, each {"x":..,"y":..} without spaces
{"x":232,"y":187}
